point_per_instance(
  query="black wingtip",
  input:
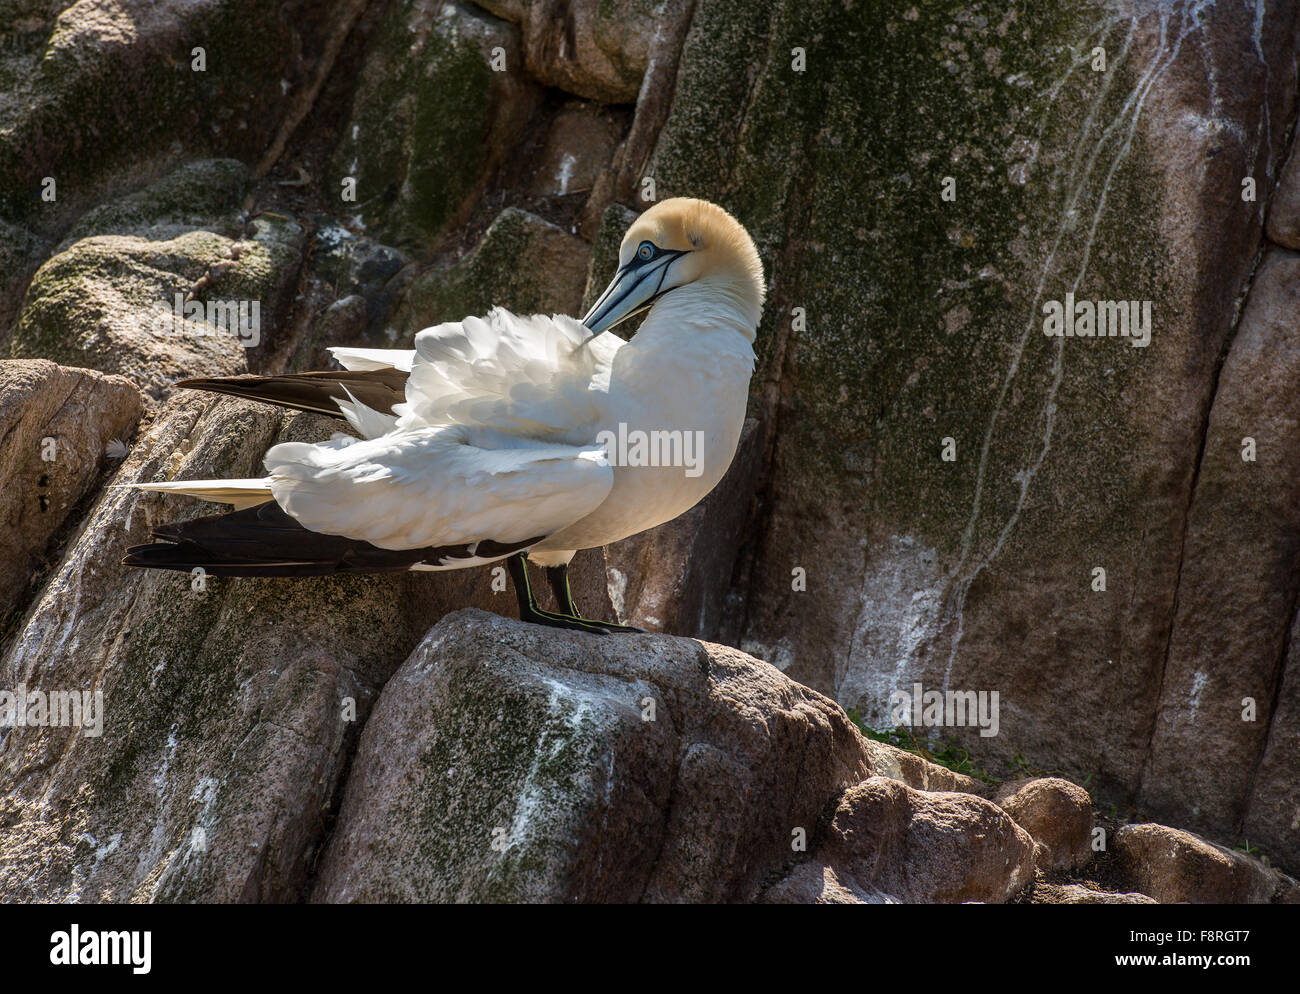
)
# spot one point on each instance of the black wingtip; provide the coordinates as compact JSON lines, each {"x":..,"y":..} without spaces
{"x":162,"y":555}
{"x":265,"y":541}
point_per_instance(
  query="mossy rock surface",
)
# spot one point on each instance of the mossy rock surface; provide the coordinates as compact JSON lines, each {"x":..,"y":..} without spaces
{"x":93,"y":95}
{"x":522,"y":263}
{"x":207,"y":193}
{"x":430,"y":118}
{"x":110,"y":302}
{"x":920,"y":319}
{"x":507,"y":762}
{"x":230,"y":704}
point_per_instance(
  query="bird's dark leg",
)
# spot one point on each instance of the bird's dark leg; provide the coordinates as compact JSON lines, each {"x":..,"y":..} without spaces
{"x":558,"y":578}
{"x":528,"y":609}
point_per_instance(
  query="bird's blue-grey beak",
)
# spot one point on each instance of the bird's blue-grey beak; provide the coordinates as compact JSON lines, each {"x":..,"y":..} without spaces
{"x":634,"y":288}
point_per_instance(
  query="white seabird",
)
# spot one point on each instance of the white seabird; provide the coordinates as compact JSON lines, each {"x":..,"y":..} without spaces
{"x":491,"y":439}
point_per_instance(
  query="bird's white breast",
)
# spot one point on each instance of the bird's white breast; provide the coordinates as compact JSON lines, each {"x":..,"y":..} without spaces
{"x":685,"y":377}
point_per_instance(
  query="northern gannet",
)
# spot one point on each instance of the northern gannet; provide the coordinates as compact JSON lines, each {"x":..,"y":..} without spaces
{"x":491,"y":439}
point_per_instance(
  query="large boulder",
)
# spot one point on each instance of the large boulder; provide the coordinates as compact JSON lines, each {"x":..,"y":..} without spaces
{"x":893,"y":843}
{"x":597,"y":49}
{"x":506,"y":762}
{"x":157,"y":311}
{"x":1057,"y":813}
{"x":229,"y":706}
{"x":1176,"y":867}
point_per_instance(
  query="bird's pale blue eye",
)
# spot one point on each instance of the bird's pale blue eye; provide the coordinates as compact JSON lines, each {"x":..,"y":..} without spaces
{"x":646,"y":251}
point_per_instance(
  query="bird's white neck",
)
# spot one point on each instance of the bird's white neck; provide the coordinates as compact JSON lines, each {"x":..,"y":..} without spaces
{"x":716,"y":317}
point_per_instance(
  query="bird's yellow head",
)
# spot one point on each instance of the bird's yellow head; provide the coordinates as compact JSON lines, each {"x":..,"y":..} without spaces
{"x":678,"y":243}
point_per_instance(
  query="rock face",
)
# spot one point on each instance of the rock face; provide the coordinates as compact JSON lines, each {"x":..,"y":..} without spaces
{"x":520,"y":257}
{"x":579,"y":144}
{"x":228,"y":706}
{"x":506,"y":763}
{"x":439,"y":103}
{"x":95,"y":92}
{"x":1219,"y":685}
{"x":982,"y":572}
{"x":977,"y":572}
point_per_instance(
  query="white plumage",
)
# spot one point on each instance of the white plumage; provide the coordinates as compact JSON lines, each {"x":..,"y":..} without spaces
{"x":428,"y":486}
{"x":500,"y":435}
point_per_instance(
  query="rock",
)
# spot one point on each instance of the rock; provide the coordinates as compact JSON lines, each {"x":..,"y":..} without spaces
{"x":579,"y":144}
{"x":354,"y":265}
{"x":1238,"y":587}
{"x":1284,"y":206}
{"x":977,"y":573}
{"x":918,"y":772}
{"x":669,"y":578}
{"x":230,"y":706}
{"x":1273,"y":813}
{"x":347,"y":292}
{"x":97,"y":94}
{"x":1176,"y":867}
{"x":592,"y":48}
{"x":507,"y":763}
{"x":110,"y":303}
{"x":522,"y":262}
{"x":1057,"y":813}
{"x":207,"y":193}
{"x":815,"y":883}
{"x":1288,"y":890}
{"x":431,"y":118}
{"x":19,"y":257}
{"x":55,"y":428}
{"x":942,"y":848}
{"x":1079,"y":894}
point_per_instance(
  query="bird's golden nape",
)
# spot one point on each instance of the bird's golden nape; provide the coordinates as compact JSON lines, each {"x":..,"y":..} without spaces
{"x":674,"y":244}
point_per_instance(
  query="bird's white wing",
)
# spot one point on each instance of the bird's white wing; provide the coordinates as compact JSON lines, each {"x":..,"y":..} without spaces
{"x":542,"y":377}
{"x":426,"y":486}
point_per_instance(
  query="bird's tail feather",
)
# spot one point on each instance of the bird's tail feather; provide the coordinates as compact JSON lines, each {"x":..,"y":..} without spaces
{"x":240,"y":493}
{"x":378,"y":389}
